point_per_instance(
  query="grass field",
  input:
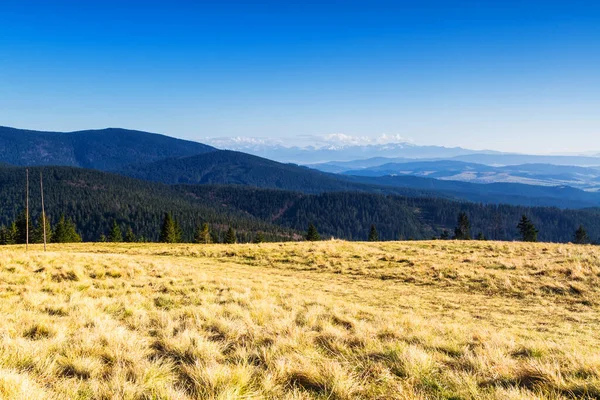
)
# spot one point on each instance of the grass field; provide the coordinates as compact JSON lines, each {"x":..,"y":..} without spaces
{"x":330,"y":320}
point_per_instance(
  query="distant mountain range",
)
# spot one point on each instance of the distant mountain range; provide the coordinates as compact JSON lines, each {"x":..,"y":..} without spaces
{"x":327,"y":155}
{"x":162,"y":159}
{"x":339,"y":151}
{"x":586,"y":178}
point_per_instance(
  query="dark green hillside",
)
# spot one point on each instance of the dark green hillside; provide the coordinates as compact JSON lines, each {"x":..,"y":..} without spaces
{"x":104,"y":149}
{"x":93,"y":199}
{"x":231,"y":167}
{"x":350,"y":215}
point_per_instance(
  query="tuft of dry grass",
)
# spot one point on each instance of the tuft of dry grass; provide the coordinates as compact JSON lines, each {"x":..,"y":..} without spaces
{"x":326,"y":320}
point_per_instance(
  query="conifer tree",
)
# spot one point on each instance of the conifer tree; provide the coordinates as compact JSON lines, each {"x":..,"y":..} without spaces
{"x":480,"y":236}
{"x":373,"y":235}
{"x":463,"y":228}
{"x":170,"y":232}
{"x":259,"y":238}
{"x":581,"y":236}
{"x":21,"y":224}
{"x":215,"y":236}
{"x":230,"y":237}
{"x":8,"y":234}
{"x":115,"y":235}
{"x":38,"y":231}
{"x":65,"y":231}
{"x":312,"y":235}
{"x":202,"y":235}
{"x":129,"y":236}
{"x":3,"y":235}
{"x":527,"y":230}
{"x":178,"y":232}
{"x":445,"y":235}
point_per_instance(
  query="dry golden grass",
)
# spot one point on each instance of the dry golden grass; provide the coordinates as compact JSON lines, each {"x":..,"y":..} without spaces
{"x":330,"y":320}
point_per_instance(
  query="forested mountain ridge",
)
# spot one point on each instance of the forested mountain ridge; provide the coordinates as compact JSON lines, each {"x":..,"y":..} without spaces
{"x":230,"y":167}
{"x":93,"y":200}
{"x":104,"y":149}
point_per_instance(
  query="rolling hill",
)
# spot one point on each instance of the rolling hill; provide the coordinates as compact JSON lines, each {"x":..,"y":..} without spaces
{"x":104,"y":149}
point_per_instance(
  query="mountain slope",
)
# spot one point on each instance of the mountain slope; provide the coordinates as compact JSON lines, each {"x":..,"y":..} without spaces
{"x":94,"y":198}
{"x":349,"y":215}
{"x":232,"y":167}
{"x":229,"y":167}
{"x":104,"y":149}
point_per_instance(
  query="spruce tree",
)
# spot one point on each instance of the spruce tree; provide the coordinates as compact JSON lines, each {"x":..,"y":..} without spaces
{"x":21,"y":224}
{"x":13,"y":233}
{"x":259,"y":238}
{"x":312,"y":235}
{"x":170,"y":231}
{"x":215,"y":236}
{"x":527,"y":230}
{"x":129,"y":236}
{"x":581,"y":236}
{"x":463,"y":228}
{"x":8,"y":234}
{"x":445,"y":235}
{"x":38,"y":231}
{"x":230,"y":236}
{"x":202,"y":235}
{"x":115,"y":235}
{"x":178,"y":232}
{"x":65,"y":231}
{"x":373,"y":235}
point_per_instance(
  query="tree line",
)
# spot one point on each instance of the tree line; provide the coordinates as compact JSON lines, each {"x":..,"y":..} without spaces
{"x":16,"y":233}
{"x":526,"y":228}
{"x":65,"y":231}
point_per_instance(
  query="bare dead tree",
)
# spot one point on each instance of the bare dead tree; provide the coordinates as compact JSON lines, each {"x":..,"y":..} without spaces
{"x":43,"y":209}
{"x":27,"y":211}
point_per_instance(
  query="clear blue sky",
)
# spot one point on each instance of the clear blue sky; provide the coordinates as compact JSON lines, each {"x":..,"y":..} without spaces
{"x":507,"y":75}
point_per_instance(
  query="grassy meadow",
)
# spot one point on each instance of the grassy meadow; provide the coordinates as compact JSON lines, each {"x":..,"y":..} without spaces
{"x":323,"y":320}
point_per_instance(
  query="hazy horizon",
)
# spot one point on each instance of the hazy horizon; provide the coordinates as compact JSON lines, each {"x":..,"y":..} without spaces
{"x":516,"y":76}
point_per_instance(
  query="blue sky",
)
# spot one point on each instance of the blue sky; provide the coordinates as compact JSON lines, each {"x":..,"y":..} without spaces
{"x":507,"y":75}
